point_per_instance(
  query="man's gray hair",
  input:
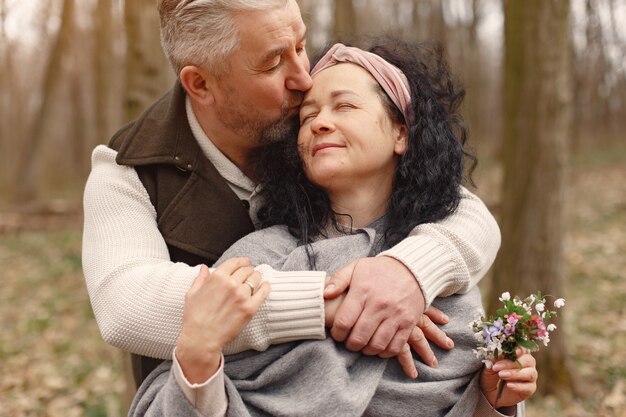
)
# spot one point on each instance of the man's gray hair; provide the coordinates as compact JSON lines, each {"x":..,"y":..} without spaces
{"x":203,"y":32}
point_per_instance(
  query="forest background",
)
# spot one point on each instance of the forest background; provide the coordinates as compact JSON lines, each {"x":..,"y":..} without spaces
{"x":546,"y":108}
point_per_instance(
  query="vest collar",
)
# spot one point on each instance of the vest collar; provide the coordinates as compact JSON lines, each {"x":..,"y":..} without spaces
{"x":161,"y":135}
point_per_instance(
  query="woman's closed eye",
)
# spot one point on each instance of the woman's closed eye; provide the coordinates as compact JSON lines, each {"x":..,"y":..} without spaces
{"x":304,"y":118}
{"x":345,"y":106}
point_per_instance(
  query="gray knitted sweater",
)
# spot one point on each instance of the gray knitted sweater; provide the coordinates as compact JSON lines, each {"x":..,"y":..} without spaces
{"x":321,"y":377}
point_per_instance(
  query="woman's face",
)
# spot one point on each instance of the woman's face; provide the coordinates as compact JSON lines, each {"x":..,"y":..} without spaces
{"x":346,"y":136}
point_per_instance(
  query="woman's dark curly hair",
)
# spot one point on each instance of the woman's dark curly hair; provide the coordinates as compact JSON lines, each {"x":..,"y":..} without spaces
{"x":428,"y":176}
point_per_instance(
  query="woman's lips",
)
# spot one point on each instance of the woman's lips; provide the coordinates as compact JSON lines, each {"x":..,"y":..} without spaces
{"x":323,"y":146}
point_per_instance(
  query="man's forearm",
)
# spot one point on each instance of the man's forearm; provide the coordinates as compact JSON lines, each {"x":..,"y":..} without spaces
{"x":137,"y":293}
{"x":453,"y":255}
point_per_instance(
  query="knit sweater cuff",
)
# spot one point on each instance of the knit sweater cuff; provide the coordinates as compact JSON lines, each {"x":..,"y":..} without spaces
{"x":295,"y":306}
{"x":294,"y":310}
{"x":432,"y":263}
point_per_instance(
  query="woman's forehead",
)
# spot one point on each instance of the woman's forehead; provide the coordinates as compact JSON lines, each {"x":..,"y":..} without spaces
{"x":344,"y":76}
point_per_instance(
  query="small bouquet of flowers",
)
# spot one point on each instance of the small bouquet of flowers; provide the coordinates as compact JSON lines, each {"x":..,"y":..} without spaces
{"x":520,"y":323}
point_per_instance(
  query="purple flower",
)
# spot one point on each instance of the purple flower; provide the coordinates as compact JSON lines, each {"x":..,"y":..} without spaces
{"x":493,"y":331}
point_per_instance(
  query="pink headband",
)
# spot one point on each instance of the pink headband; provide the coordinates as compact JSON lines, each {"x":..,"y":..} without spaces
{"x":391,"y":78}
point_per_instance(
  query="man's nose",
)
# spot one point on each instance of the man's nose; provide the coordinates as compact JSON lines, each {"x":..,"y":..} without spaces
{"x":300,"y":80}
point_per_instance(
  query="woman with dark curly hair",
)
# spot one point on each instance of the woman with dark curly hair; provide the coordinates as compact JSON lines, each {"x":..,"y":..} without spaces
{"x":380,"y":150}
{"x":427,"y":172}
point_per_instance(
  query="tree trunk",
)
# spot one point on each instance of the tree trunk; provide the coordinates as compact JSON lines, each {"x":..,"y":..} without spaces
{"x":439,"y":29}
{"x":103,"y":76}
{"x":27,"y":175}
{"x":148,"y":73}
{"x":79,"y":129}
{"x":537,"y":89}
{"x":344,"y":26}
{"x":5,"y":96}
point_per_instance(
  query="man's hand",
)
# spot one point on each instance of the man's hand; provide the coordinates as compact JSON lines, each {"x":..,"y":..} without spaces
{"x":426,"y":330}
{"x":382,"y":306}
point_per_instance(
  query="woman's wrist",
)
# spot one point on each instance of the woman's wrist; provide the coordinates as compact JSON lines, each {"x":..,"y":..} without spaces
{"x":197,"y":365}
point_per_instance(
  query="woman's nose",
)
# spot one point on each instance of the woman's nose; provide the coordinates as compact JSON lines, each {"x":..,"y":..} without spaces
{"x":322,"y":123}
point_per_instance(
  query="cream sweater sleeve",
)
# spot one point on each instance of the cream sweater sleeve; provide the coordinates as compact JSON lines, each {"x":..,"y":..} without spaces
{"x":137,"y":293}
{"x":451,"y":256}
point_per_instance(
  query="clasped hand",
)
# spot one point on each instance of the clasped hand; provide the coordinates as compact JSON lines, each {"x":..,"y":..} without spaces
{"x":382,"y":312}
{"x":217,"y":308}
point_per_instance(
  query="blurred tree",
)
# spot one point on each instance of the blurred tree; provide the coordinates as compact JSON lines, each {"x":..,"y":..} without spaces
{"x":5,"y":70}
{"x":428,"y":20}
{"x":103,"y":58}
{"x":28,"y":158}
{"x":538,"y":109}
{"x":148,"y":73}
{"x":344,"y":23}
{"x":599,"y":77}
{"x":79,"y":146}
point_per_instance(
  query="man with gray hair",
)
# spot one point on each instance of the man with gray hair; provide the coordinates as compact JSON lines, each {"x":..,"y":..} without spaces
{"x":175,"y":188}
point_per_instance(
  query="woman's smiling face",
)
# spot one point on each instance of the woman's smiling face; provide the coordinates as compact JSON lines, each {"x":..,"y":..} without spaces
{"x":346,"y":134}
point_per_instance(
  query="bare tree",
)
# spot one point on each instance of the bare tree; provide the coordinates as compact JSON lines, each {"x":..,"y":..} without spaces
{"x":78,"y":134}
{"x":536,"y":130}
{"x":344,"y":26}
{"x":29,"y":156}
{"x":103,"y":57}
{"x":438,"y":28}
{"x":5,"y":68}
{"x":148,"y":74}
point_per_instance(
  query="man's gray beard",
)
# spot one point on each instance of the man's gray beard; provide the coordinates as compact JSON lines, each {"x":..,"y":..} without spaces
{"x":285,"y":128}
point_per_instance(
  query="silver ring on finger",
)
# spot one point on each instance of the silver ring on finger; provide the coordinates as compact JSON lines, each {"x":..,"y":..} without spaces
{"x":252,"y":287}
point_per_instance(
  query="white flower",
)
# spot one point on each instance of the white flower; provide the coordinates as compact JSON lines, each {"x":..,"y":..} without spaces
{"x":540,"y":307}
{"x":559,"y":302}
{"x":488,"y":363}
{"x":551,"y":327}
{"x":531,"y":298}
{"x":505,"y":296}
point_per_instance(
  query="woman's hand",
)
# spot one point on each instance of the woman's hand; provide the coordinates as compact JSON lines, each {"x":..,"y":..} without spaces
{"x":425,"y":330}
{"x":217,"y":307}
{"x":521,"y":382}
{"x":331,"y":305}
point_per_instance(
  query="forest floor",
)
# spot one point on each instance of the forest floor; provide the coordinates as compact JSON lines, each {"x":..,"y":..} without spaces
{"x":54,"y":363}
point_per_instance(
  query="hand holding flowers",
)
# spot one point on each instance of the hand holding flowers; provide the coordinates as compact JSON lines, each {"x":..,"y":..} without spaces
{"x":520,"y":376}
{"x":520,"y":324}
